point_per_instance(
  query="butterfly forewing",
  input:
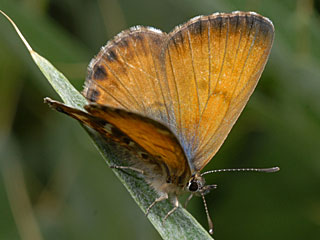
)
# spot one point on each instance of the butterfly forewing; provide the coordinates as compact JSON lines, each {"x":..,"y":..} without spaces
{"x":252,"y":53}
{"x":212,"y":65}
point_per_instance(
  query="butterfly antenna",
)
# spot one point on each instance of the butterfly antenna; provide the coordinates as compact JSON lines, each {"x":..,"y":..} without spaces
{"x":207,"y":213}
{"x":268,"y":170}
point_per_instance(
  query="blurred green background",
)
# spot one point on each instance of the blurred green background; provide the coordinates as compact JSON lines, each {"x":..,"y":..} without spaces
{"x":54,"y":184}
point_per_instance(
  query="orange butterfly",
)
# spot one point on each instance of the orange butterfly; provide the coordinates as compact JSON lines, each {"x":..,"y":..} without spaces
{"x":171,"y":99}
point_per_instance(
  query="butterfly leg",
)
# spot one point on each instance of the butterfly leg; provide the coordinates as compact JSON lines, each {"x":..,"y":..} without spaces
{"x":159,"y":199}
{"x":176,"y":205}
{"x":127,"y":167}
{"x":207,"y":188}
{"x":188,"y":200}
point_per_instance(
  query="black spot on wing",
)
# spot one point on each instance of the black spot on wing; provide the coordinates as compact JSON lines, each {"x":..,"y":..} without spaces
{"x":111,"y":56}
{"x":138,"y":36}
{"x":123,"y":42}
{"x":92,"y":95}
{"x":99,"y":72}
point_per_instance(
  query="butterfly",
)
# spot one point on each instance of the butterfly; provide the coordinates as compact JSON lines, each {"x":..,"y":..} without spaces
{"x":171,"y":99}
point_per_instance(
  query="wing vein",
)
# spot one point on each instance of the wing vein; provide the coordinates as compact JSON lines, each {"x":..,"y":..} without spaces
{"x":217,"y":82}
{"x":141,"y":103}
{"x":106,"y":90}
{"x":158,"y":82}
{"x":193,"y":69}
{"x":194,"y":143}
{"x":223,"y":59}
{"x":254,"y":70}
{"x":121,"y":83}
{"x":176,"y":89}
{"x":209,"y":56}
{"x":250,"y":50}
{"x":140,"y":68}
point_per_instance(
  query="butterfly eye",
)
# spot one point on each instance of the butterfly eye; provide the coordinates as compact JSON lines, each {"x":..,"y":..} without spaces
{"x":193,"y":186}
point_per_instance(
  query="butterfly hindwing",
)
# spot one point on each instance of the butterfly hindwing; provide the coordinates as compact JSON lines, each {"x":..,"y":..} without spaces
{"x":153,"y":137}
{"x":143,"y":137}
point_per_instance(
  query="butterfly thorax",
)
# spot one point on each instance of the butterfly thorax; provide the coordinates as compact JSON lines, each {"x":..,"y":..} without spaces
{"x":163,"y":178}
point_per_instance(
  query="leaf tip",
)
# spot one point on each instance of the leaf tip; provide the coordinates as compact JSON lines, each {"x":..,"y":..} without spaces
{"x":18,"y":31}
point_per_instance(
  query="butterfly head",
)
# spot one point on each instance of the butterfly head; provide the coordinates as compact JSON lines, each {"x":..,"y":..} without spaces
{"x":197,"y":184}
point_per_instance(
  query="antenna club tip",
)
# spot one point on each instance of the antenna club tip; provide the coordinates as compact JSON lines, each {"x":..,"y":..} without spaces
{"x":211,"y":231}
{"x":275,"y":169}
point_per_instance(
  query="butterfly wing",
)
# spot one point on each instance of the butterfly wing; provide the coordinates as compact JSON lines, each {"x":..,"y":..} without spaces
{"x":212,"y":65}
{"x":156,"y":139}
{"x":195,"y":80}
{"x":149,"y":140}
{"x":125,"y":74}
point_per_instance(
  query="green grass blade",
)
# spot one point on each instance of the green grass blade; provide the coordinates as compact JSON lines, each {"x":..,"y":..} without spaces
{"x":59,"y":82}
{"x":181,"y":225}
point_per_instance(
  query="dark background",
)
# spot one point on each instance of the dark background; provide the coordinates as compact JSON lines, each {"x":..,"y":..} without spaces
{"x":54,"y":184}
